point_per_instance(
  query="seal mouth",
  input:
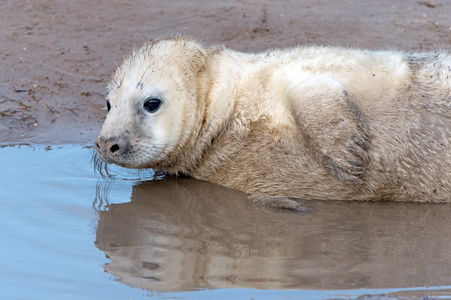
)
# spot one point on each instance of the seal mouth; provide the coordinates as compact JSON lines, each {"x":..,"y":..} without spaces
{"x":101,"y":161}
{"x":101,"y":164}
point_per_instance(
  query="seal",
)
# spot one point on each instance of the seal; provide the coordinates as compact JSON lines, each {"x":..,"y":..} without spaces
{"x":306,"y":123}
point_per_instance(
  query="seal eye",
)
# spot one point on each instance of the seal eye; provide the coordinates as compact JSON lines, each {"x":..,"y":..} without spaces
{"x":108,"y":105}
{"x":152,"y":105}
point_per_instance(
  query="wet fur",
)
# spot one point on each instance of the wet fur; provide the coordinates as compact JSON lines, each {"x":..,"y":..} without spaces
{"x":309,"y":123}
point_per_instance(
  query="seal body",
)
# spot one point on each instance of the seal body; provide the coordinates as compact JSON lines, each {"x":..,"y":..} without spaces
{"x":307,"y":122}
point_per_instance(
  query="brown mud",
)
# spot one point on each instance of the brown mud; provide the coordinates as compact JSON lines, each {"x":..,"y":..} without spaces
{"x":56,"y":56}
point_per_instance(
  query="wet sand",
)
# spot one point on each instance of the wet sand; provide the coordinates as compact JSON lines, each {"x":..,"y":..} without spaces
{"x":56,"y":56}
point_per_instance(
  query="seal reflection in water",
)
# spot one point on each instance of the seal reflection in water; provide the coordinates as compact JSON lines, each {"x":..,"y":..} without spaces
{"x":181,"y":234}
{"x":306,"y":123}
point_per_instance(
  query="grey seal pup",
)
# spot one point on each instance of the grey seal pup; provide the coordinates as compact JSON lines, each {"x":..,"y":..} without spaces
{"x":306,"y":122}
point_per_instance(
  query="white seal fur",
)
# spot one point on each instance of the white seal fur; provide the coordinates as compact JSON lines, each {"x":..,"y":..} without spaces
{"x":306,"y":122}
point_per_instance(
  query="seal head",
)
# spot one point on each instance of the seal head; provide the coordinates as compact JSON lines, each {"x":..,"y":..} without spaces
{"x":152,"y":104}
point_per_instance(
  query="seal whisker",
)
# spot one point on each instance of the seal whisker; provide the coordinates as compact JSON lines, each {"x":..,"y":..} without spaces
{"x":116,"y":85}
{"x":144,"y":73}
{"x":100,"y":166}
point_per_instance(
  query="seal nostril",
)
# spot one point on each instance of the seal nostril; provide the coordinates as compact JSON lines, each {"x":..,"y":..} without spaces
{"x":98,"y":146}
{"x":114,"y":148}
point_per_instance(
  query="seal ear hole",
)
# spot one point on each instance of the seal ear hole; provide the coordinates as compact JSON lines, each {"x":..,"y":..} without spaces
{"x":108,"y":106}
{"x":151,"y":105}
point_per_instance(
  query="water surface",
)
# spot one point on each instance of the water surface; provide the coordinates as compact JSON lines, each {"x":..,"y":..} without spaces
{"x":67,"y":234}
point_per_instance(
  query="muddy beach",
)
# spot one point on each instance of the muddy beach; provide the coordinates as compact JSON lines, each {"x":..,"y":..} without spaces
{"x":56,"y":56}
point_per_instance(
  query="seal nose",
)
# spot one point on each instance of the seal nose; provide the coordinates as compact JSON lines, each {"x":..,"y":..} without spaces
{"x":114,"y":148}
{"x":108,"y":148}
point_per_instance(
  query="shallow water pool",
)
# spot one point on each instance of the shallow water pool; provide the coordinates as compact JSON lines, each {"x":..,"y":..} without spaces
{"x":68,"y":234}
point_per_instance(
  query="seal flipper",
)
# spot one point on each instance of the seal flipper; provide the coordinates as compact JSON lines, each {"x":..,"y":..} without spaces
{"x":278,"y":202}
{"x":332,"y":126}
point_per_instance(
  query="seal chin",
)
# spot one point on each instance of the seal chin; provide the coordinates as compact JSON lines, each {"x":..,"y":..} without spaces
{"x":127,"y":166}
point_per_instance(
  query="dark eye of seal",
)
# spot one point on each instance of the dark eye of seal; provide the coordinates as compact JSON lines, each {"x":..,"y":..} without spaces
{"x":108,"y":105}
{"x":152,"y":105}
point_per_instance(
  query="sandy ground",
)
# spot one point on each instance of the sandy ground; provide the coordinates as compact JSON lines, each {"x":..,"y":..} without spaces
{"x":56,"y":55}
